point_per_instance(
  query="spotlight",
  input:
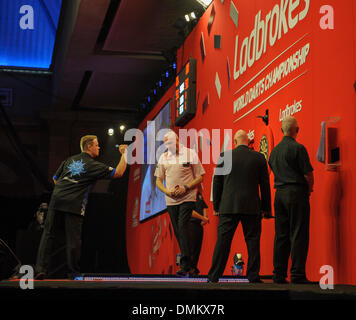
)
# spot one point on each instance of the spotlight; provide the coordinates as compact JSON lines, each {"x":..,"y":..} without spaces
{"x":149,"y":99}
{"x":186,"y":18}
{"x":192,"y":15}
{"x":167,"y":74}
{"x":205,"y":3}
{"x":122,"y":128}
{"x":174,"y":65}
{"x":111,"y":132}
{"x":160,"y":83}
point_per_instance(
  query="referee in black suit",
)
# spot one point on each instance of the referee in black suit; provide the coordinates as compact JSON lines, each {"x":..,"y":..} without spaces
{"x":236,"y":197}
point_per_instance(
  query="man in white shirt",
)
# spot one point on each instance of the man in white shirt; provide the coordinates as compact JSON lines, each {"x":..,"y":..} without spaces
{"x":182,"y":172}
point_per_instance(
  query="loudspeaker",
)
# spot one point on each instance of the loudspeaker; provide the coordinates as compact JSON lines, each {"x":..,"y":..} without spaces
{"x":9,"y":262}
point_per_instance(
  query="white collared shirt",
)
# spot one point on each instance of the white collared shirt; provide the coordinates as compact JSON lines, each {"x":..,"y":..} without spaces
{"x":179,"y":169}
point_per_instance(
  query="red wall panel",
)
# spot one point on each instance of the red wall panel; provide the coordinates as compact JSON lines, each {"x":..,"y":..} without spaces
{"x":321,"y":88}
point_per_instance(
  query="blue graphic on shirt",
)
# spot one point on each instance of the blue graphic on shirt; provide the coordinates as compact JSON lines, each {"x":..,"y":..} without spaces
{"x":76,"y":168}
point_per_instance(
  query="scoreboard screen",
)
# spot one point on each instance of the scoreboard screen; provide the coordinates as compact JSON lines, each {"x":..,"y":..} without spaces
{"x":185,"y":94}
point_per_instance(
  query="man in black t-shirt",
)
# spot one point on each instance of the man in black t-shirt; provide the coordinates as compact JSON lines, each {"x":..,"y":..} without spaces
{"x":73,"y":182}
{"x":293,"y":180}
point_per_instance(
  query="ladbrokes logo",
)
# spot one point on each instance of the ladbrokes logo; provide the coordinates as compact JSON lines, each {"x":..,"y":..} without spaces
{"x":277,"y":22}
{"x":290,"y":110}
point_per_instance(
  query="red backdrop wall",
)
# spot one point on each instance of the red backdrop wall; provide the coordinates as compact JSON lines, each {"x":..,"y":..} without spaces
{"x":319,"y":89}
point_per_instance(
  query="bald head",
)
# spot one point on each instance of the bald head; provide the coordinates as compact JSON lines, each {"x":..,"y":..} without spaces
{"x":171,"y":135}
{"x":290,"y":126}
{"x":240,"y":138}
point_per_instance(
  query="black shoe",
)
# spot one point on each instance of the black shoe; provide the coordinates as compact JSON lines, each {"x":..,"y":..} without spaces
{"x":190,"y":273}
{"x":280,"y":281}
{"x":40,"y":276}
{"x":302,"y":281}
{"x":182,"y":273}
{"x":74,"y":276}
{"x":194,"y":272}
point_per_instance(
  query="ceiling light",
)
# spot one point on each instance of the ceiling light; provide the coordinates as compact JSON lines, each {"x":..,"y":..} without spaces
{"x":205,"y":3}
{"x":186,"y":18}
{"x":192,"y":15}
{"x":122,"y":128}
{"x":111,"y":132}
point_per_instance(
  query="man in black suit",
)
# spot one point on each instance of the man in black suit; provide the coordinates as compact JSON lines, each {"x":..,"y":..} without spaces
{"x":236,"y":197}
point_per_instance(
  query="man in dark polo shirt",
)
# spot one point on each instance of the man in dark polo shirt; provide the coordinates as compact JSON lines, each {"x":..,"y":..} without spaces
{"x":293,"y":180}
{"x":73,"y":181}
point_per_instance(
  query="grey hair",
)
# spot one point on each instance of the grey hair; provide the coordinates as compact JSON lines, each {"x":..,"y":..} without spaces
{"x":288,"y":124}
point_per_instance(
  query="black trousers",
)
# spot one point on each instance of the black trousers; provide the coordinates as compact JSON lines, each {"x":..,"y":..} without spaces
{"x":196,"y":238}
{"x":180,"y":216}
{"x":251,"y":226}
{"x":73,"y":235}
{"x":292,"y":212}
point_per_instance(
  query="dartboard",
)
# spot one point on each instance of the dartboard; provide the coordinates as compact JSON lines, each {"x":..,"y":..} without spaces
{"x":264,"y":146}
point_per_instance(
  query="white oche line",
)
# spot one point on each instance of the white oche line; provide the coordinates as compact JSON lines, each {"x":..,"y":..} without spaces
{"x":148,"y":279}
{"x":281,"y":88}
{"x":291,"y":46}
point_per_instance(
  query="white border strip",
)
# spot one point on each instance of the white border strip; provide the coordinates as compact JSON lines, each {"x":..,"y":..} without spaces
{"x":153,"y":279}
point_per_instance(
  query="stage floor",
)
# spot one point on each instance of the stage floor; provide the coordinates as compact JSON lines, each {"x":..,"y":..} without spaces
{"x":167,"y":289}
